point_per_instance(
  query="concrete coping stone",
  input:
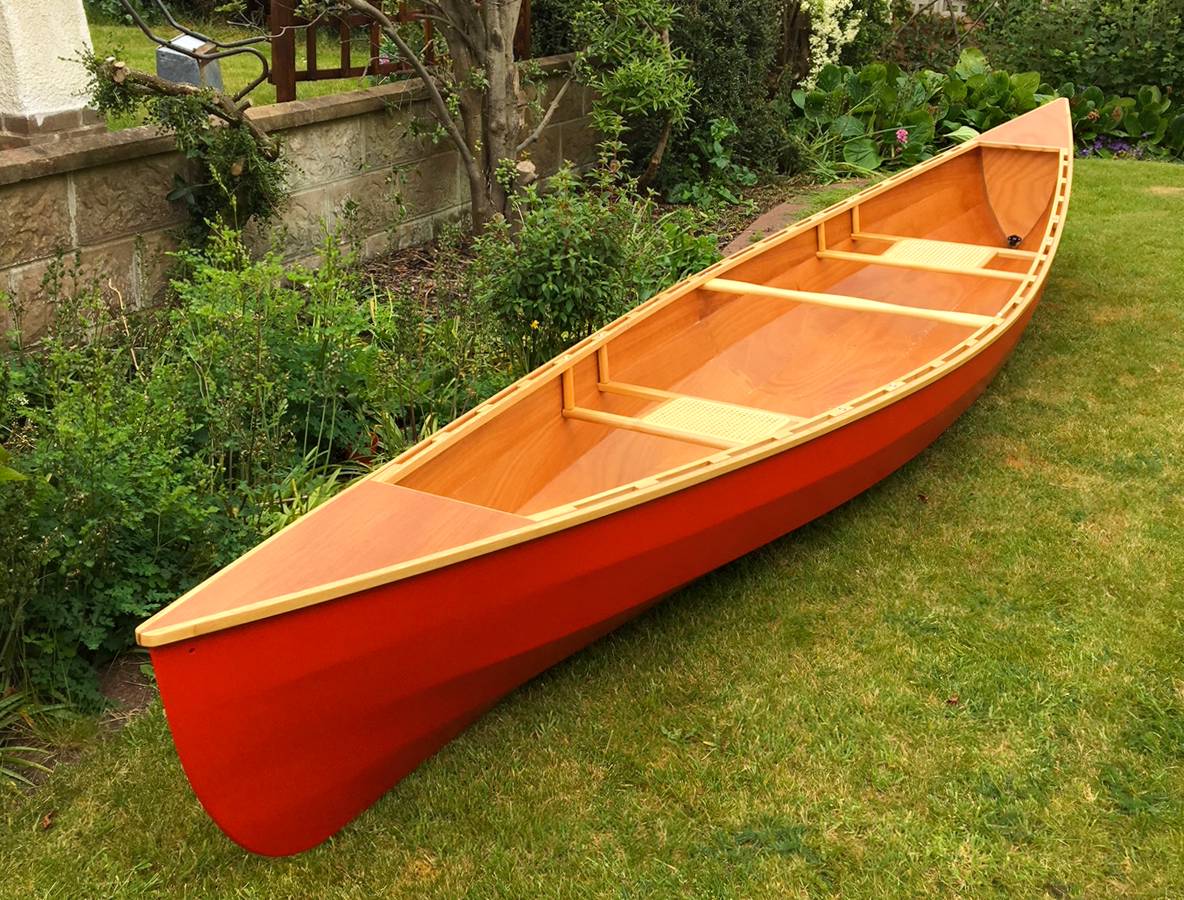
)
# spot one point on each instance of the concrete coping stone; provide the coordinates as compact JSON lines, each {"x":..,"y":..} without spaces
{"x":73,"y":153}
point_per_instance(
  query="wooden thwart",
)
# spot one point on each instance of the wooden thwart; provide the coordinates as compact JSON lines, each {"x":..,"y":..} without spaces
{"x":875,"y":259}
{"x":859,"y":304}
{"x":629,"y":423}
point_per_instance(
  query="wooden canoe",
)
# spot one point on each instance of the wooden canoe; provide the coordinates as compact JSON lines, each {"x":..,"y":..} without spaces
{"x":305,"y":679}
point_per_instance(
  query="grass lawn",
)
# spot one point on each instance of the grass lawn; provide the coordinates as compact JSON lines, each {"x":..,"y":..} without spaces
{"x":968,"y":681}
{"x":129,"y":44}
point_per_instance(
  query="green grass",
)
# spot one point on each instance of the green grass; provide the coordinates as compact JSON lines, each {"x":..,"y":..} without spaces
{"x":130,"y":44}
{"x":965,"y":682}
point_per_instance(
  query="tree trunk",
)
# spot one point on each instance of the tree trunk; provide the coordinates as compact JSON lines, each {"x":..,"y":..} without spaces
{"x":502,"y":123}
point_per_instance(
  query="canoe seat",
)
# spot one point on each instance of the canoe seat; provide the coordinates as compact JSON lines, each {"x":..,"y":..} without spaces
{"x":940,"y":253}
{"x":720,"y":420}
{"x":680,"y":417}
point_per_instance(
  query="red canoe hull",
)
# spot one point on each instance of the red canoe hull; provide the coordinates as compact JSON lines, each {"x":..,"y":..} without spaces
{"x":291,"y":726}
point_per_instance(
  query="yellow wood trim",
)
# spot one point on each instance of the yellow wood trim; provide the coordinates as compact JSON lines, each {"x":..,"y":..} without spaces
{"x":854,"y":220}
{"x":1035,"y":148}
{"x":897,"y":238}
{"x":859,"y":304}
{"x":629,"y":423}
{"x":657,"y":394}
{"x":821,"y":236}
{"x":569,"y":389}
{"x":654,"y":487}
{"x":875,"y":259}
{"x":602,"y":370}
{"x":422,"y":453}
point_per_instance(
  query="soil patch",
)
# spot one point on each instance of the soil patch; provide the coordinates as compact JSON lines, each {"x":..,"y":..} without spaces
{"x":128,"y":686}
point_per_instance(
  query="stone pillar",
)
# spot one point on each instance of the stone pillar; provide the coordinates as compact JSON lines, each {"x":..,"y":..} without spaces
{"x":42,"y":85}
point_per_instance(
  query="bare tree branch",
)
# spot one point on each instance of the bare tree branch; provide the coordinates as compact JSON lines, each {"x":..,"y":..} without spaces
{"x":439,"y":105}
{"x":554,"y":105}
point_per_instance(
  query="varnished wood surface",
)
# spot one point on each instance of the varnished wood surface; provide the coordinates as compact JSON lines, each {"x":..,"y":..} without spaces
{"x":369,"y":527}
{"x":518,"y":455}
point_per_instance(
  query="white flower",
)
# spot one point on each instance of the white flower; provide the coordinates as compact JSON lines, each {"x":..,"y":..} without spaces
{"x":833,"y":25}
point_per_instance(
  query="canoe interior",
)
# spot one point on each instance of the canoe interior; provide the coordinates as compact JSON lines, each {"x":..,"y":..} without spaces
{"x":709,"y":367}
{"x":765,"y":353}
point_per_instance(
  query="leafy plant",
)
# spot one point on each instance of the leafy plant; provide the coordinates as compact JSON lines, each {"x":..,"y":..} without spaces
{"x":236,"y":172}
{"x":881,"y":116}
{"x":17,"y":713}
{"x":708,"y":173}
{"x":156,"y":450}
{"x":858,"y":121}
{"x":638,"y":80}
{"x":1125,"y":126}
{"x":584,"y":252}
{"x":1118,"y":45}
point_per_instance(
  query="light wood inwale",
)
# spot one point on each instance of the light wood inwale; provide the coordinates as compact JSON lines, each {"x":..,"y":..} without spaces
{"x":879,"y":259}
{"x":859,"y":304}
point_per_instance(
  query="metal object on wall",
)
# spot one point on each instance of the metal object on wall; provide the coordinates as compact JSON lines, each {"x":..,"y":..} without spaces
{"x":181,"y":61}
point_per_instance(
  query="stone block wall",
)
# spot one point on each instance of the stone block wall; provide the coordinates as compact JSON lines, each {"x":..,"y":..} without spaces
{"x":102,"y":197}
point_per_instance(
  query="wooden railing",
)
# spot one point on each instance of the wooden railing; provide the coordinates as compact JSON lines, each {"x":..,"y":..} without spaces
{"x":286,"y":26}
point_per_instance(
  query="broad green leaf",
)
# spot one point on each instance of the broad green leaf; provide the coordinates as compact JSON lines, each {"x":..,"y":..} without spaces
{"x":817,"y":107}
{"x":848,"y":127}
{"x":862,"y":153}
{"x":962,"y":135}
{"x":972,"y":62}
{"x":830,"y":77}
{"x":1025,"y":83}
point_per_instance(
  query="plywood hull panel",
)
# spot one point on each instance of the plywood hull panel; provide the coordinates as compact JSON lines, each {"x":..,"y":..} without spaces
{"x":290,"y":727}
{"x":312,"y":674}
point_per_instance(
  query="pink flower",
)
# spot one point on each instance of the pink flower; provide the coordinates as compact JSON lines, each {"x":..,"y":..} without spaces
{"x":902,"y":136}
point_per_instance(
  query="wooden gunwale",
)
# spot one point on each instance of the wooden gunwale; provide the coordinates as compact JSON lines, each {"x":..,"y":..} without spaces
{"x":678,"y":478}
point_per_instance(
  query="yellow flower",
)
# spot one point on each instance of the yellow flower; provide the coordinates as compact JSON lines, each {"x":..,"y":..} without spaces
{"x":535,"y":325}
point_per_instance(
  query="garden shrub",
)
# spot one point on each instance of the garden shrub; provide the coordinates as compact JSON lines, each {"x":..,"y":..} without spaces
{"x":707,"y":174}
{"x":231,"y":177}
{"x":585,"y":252}
{"x":154,"y":451}
{"x":733,"y":47}
{"x":112,"y":519}
{"x":881,"y":116}
{"x":1118,"y":45}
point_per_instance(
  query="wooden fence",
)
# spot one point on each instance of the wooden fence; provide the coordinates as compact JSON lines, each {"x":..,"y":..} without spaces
{"x":285,"y":25}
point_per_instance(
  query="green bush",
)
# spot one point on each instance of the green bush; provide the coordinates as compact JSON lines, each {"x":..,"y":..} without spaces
{"x":583,"y":254}
{"x":149,"y":453}
{"x":1118,"y":45}
{"x":112,"y":518}
{"x":881,"y":116}
{"x":707,"y":174}
{"x":732,"y":45}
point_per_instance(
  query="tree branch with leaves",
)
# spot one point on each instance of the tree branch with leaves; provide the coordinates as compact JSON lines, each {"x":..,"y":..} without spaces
{"x":481,"y":99}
